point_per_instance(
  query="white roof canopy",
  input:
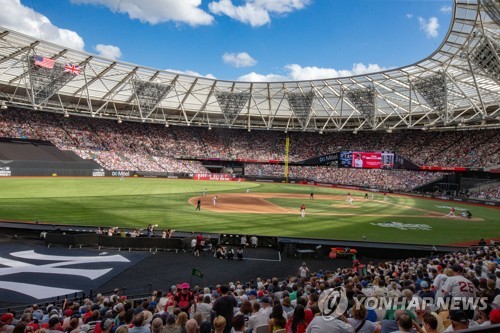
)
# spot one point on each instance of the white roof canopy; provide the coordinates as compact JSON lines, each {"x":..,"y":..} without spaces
{"x":457,"y":86}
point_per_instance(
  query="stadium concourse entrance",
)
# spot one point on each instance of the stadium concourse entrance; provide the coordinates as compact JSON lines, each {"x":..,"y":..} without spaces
{"x":42,"y":262}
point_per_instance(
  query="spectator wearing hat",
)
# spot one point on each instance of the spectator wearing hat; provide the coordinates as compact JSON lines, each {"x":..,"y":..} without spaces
{"x":184,"y":299}
{"x":495,"y":316}
{"x":458,"y":285}
{"x":262,"y":316}
{"x":459,"y":321}
{"x":426,"y":291}
{"x":6,"y":323}
{"x":54,"y":324}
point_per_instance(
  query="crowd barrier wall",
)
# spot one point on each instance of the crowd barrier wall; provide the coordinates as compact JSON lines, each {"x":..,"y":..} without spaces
{"x":47,"y":168}
{"x":77,"y":240}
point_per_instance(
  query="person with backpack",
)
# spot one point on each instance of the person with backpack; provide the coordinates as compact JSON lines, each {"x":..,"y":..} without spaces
{"x":184,"y":299}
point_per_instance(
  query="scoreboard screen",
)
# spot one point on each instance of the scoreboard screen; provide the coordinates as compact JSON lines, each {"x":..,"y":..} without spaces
{"x":366,"y":159}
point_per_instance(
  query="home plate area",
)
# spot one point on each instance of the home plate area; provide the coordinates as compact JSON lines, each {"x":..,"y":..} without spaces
{"x":29,"y":274}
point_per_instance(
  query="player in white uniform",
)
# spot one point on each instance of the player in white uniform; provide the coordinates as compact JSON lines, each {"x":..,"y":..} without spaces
{"x":214,"y":200}
{"x":458,"y":285}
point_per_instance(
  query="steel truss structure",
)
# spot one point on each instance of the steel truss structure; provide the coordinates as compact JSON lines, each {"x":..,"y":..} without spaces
{"x":456,"y":86}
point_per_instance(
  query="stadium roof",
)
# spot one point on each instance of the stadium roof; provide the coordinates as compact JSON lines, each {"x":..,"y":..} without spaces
{"x":458,"y":86}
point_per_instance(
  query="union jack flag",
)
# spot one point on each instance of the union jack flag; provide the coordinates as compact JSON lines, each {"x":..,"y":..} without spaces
{"x":44,"y":62}
{"x":73,"y":69}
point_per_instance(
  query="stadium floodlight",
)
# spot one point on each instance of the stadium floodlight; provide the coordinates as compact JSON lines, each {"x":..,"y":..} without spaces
{"x":66,"y":114}
{"x":3,"y":105}
{"x":119,"y":120}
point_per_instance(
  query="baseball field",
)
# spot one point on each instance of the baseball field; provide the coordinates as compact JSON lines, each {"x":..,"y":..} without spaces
{"x":267,"y":209}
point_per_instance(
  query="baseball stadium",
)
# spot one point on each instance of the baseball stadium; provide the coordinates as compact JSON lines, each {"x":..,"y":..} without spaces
{"x":122,"y":184}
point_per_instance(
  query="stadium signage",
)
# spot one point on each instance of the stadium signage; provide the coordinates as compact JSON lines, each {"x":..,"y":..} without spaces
{"x":213,"y":176}
{"x":5,"y":172}
{"x":328,"y":158}
{"x":120,"y":173}
{"x":98,"y":173}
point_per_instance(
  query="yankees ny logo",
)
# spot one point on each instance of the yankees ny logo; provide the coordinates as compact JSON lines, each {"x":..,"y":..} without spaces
{"x":55,"y":267}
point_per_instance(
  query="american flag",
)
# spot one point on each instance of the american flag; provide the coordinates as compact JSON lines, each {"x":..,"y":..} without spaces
{"x":73,"y":69}
{"x":44,"y":62}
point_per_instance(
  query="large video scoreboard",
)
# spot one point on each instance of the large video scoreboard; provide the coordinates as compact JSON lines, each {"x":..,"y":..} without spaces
{"x":366,"y":159}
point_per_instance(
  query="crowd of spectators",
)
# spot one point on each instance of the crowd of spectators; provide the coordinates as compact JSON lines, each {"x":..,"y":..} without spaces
{"x":491,"y":194}
{"x":391,"y":180}
{"x":421,"y":289}
{"x":152,"y":147}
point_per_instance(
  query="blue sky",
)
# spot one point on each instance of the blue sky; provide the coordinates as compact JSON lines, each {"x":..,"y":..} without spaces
{"x":251,"y":40}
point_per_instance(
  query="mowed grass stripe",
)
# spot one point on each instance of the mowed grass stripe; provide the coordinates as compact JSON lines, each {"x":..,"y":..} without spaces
{"x":135,"y":203}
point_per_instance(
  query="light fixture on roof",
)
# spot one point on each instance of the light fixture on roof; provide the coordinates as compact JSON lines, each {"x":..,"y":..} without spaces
{"x":66,"y":114}
{"x":119,"y":120}
{"x":209,"y":128}
{"x":3,"y":105}
{"x":355,"y":131}
{"x":166,"y":125}
{"x":249,"y":129}
{"x":321,"y":132}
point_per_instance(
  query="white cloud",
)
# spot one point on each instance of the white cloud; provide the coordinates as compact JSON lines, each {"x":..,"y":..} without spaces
{"x":255,"y":77}
{"x":256,"y":12}
{"x":157,"y":11}
{"x":18,"y":17}
{"x":109,"y":51}
{"x":192,"y":73}
{"x":430,"y":26}
{"x":409,"y":16}
{"x":241,"y":59}
{"x":297,"y":73}
{"x":445,"y":9}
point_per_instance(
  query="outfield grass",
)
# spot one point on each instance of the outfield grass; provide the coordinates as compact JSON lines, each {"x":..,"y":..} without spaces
{"x":137,"y":202}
